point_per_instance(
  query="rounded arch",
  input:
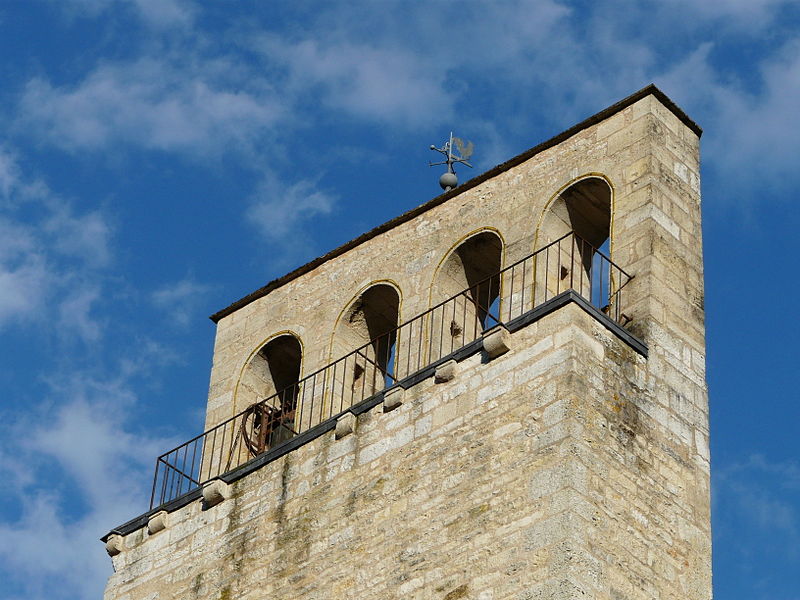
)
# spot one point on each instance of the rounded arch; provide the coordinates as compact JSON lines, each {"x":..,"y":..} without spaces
{"x":460,"y":242}
{"x":338,"y":347}
{"x":467,"y":280}
{"x":574,"y":236}
{"x":467,"y":263}
{"x":363,"y":344}
{"x":274,"y":366}
{"x":585,"y":205}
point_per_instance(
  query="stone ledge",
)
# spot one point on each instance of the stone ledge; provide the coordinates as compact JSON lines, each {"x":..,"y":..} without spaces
{"x":393,"y":398}
{"x":446,"y":371}
{"x":496,"y":341}
{"x":345,"y":425}
{"x":158,"y":522}
{"x":114,"y":544}
{"x":215,"y":492}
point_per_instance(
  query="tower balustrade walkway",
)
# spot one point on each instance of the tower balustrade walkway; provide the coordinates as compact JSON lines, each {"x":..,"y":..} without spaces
{"x":565,"y":270}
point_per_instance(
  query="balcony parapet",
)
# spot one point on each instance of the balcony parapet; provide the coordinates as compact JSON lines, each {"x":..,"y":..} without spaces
{"x":566,"y":270}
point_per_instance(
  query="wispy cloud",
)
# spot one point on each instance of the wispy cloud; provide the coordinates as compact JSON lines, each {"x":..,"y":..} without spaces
{"x":165,"y":13}
{"x":23,"y":279}
{"x":85,"y":236}
{"x":749,"y":141}
{"x":180,"y":301}
{"x":156,"y":13}
{"x":49,"y":255}
{"x":746,"y":16}
{"x":155,"y":103}
{"x":8,"y":173}
{"x":75,"y":314}
{"x":756,"y":506}
{"x":281,"y":214}
{"x":367,"y":81}
{"x":72,"y":446}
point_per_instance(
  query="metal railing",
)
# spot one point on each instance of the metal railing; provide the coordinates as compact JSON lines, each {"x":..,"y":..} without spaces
{"x":567,"y":263}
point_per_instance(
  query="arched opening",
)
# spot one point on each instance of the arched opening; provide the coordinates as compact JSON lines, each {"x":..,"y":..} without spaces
{"x":469,"y":276}
{"x":268,"y":390}
{"x":588,"y":207}
{"x":368,"y":327}
{"x":581,"y":262}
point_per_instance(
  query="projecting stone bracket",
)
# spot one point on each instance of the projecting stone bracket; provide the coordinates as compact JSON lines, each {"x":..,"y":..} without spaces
{"x":345,"y":425}
{"x":393,"y":398}
{"x":157,"y":522}
{"x":496,"y":341}
{"x":114,"y":544}
{"x":446,"y":371}
{"x":215,"y":492}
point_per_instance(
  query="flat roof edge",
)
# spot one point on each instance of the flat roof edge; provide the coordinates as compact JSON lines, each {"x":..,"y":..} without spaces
{"x":475,"y":181}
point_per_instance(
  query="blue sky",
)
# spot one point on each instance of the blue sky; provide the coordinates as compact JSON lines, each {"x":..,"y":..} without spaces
{"x":162,"y":158}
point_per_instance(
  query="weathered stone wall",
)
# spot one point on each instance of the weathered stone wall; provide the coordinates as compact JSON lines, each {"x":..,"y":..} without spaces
{"x":571,"y":467}
{"x":540,"y":474}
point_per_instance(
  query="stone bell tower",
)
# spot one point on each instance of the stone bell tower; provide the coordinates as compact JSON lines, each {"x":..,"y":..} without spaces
{"x":497,"y":395}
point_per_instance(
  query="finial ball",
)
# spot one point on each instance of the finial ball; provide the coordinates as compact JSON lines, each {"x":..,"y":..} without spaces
{"x":448,"y":181}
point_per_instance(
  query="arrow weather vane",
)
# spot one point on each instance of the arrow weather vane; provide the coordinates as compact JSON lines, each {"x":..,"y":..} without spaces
{"x":449,"y":180}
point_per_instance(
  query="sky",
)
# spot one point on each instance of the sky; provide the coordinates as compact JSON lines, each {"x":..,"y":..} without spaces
{"x":160,"y":159}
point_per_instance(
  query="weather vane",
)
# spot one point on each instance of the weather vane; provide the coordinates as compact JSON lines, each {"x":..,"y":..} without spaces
{"x":449,"y":180}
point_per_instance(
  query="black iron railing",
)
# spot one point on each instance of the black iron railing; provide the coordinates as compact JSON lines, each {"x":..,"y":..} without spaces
{"x":567,"y":263}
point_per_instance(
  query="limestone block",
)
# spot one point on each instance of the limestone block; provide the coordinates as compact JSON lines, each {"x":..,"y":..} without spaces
{"x":393,"y":398}
{"x":114,"y":544}
{"x":157,"y":522}
{"x":497,"y":341}
{"x":345,"y":425}
{"x":215,"y":492}
{"x":446,"y":372}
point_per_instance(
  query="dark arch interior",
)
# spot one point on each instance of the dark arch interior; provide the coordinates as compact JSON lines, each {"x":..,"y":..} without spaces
{"x":282,"y":357}
{"x":269,"y":386}
{"x":481,"y":259}
{"x":378,"y":308}
{"x":588,"y":205}
{"x":372,"y":318}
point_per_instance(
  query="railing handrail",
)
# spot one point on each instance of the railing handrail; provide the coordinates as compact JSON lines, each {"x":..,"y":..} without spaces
{"x":371,"y":342}
{"x":394,"y":331}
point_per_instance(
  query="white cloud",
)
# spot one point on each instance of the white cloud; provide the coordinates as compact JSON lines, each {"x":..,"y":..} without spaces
{"x":157,"y":13}
{"x":411,"y":71}
{"x":280,"y":212}
{"x":165,"y":13}
{"x":86,"y":236}
{"x":745,"y":15}
{"x":179,"y":301}
{"x":384,"y":83}
{"x":83,"y":454}
{"x":759,"y":496}
{"x":9,"y":173}
{"x":154,"y":104}
{"x":24,"y":274}
{"x":757,"y":135}
{"x":788,"y":472}
{"x":87,"y":437}
{"x":49,"y":256}
{"x":75,"y":314}
{"x":22,"y":289}
{"x":749,"y":138}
